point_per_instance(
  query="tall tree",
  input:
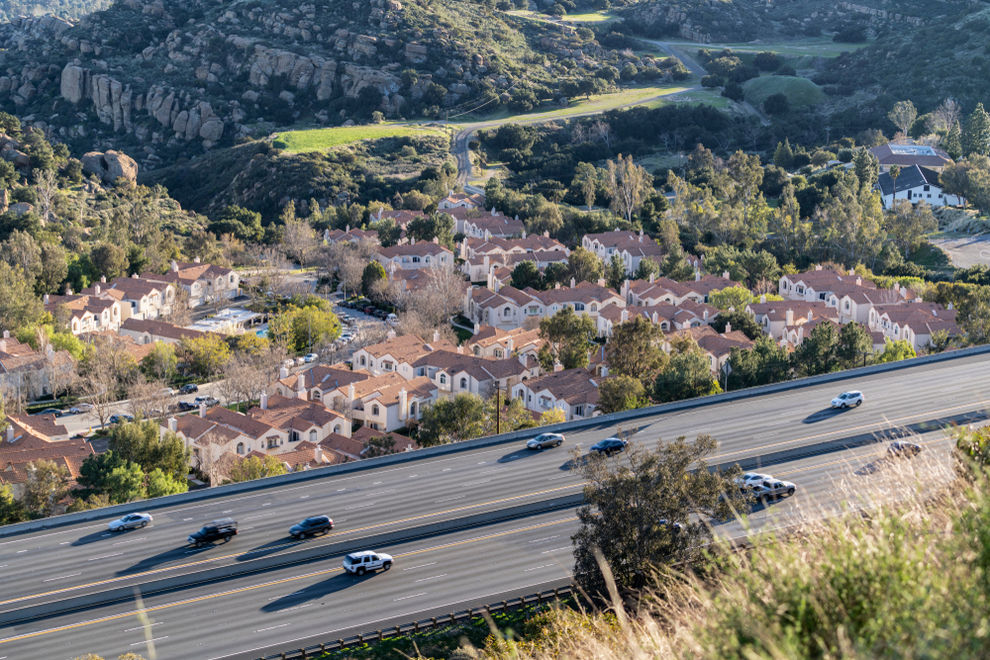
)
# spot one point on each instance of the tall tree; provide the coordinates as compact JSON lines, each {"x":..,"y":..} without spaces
{"x":894,"y":351}
{"x":47,"y":484}
{"x":867,"y":167}
{"x":903,"y":115}
{"x":583,"y":265}
{"x":853,"y":345}
{"x":627,"y":184}
{"x":976,"y":134}
{"x":687,"y":375}
{"x":19,"y":306}
{"x":615,"y":272}
{"x":818,"y":353}
{"x":142,"y":442}
{"x":374,"y":274}
{"x":648,"y":514}
{"x":635,"y":349}
{"x":526,"y":274}
{"x":568,"y":339}
{"x":255,"y":467}
{"x":451,"y":420}
{"x":586,"y":181}
{"x":766,"y":362}
{"x":618,"y":393}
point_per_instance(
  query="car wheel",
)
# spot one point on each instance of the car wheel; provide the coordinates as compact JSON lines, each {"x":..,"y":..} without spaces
{"x":790,"y":491}
{"x":144,"y":523}
{"x":226,"y":539}
{"x":360,"y":570}
{"x":859,"y":403}
{"x":387,"y":565}
{"x":559,"y":443}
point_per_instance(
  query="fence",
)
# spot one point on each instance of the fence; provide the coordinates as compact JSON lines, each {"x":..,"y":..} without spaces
{"x":422,"y":625}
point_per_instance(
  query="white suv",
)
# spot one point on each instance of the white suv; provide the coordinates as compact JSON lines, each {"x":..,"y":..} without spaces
{"x":360,"y":563}
{"x":848,"y":399}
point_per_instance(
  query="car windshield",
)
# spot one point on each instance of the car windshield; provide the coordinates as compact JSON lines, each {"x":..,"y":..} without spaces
{"x":353,"y":559}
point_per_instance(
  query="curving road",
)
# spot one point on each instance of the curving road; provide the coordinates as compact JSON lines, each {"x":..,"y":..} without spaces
{"x":84,"y":559}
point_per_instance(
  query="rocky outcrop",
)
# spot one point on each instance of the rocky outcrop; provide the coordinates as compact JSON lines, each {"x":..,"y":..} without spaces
{"x":110,"y":166}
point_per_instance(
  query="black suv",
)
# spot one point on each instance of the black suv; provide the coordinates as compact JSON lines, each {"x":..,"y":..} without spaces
{"x":189,"y":388}
{"x":311,"y":527}
{"x":214,"y":531}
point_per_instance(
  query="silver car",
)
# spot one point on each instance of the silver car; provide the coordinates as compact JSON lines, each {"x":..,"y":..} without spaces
{"x":545,"y":441}
{"x":130,"y":521}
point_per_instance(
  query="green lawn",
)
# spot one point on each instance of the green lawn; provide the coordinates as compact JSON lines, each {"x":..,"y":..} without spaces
{"x":321,"y":139}
{"x":702,"y":96}
{"x":801,"y":92}
{"x":590,"y":17}
{"x":817,"y":46}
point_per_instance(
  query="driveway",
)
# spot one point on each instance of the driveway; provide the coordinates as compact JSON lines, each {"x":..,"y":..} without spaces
{"x":966,"y":251}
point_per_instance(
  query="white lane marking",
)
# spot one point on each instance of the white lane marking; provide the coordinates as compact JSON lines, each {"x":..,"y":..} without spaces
{"x":432,"y":577}
{"x":65,"y":542}
{"x":446,"y":470}
{"x":380,"y":492}
{"x":156,"y":639}
{"x":482,"y":462}
{"x":413,"y":476}
{"x":341,"y":490}
{"x":115,"y":554}
{"x":260,"y":515}
{"x":61,"y":577}
{"x":281,"y":625}
{"x":536,"y":568}
{"x":227,"y":510}
{"x":411,"y":568}
{"x":3,"y":565}
{"x":408,"y":597}
{"x":304,"y":497}
{"x":545,"y":538}
{"x":266,"y":504}
{"x":378,"y":483}
{"x":21,"y":551}
{"x":151,"y":623}
{"x":186,"y":519}
{"x":545,"y":552}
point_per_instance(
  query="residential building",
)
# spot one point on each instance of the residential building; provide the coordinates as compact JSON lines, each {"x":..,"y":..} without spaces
{"x":663,"y":290}
{"x":573,"y":391}
{"x":204,"y":283}
{"x":907,"y":155}
{"x":454,"y":372}
{"x":386,"y":402}
{"x":396,"y":354}
{"x":716,"y":346}
{"x":915,"y":184}
{"x":318,"y":381}
{"x":670,"y":318}
{"x":914,"y":322}
{"x":148,"y":332}
{"x":631,"y":247}
{"x":143,"y":298}
{"x":491,"y":342}
{"x":29,"y":439}
{"x":28,"y":372}
{"x":349,"y":235}
{"x":86,"y":314}
{"x":777,"y":317}
{"x":461,"y":200}
{"x":416,"y":254}
{"x":509,"y":308}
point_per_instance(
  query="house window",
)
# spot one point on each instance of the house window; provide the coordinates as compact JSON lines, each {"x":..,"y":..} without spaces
{"x":927,"y":188}
{"x":579,"y":411}
{"x":443,"y":379}
{"x":506,"y":311}
{"x":240,"y":447}
{"x":578,"y":307}
{"x":498,"y":353}
{"x":364,"y":361}
{"x":312,"y":436}
{"x":388,"y":366}
{"x":294,"y":436}
{"x":594,"y":307}
{"x":375,"y":410}
{"x":336,"y":429}
{"x":412,"y":409}
{"x":415,"y":260}
{"x":821,"y":296}
{"x":272,"y":442}
{"x":463,"y":383}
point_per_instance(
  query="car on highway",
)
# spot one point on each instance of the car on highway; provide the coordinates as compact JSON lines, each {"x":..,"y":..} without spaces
{"x":752,"y":477}
{"x":310,"y":357}
{"x":80,"y":408}
{"x":311,"y":527}
{"x":545,"y":441}
{"x":851,"y":399}
{"x":50,"y":411}
{"x":224,"y":528}
{"x":189,"y":388}
{"x":609,"y":446}
{"x":903,"y":449}
{"x":120,"y":417}
{"x":769,"y":489}
{"x":360,"y":563}
{"x":130,"y":521}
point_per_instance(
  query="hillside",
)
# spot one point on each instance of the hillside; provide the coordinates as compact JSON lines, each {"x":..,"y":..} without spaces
{"x":160,"y":79}
{"x":12,"y":9}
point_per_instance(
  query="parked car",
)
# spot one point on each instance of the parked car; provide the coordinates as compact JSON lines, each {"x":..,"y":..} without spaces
{"x":210,"y":401}
{"x":300,"y":360}
{"x":50,"y":411}
{"x":189,"y":388}
{"x":288,"y":363}
{"x":853,"y":398}
{"x":311,"y":526}
{"x":391,"y":319}
{"x":545,"y":441}
{"x":369,"y":310}
{"x":80,"y":408}
{"x":224,"y":528}
{"x":310,"y":357}
{"x":187,"y":405}
{"x":360,"y":563}
{"x":130,"y":521}
{"x":609,"y":446}
{"x":167,"y":391}
{"x":904,"y":449}
{"x":120,"y":417}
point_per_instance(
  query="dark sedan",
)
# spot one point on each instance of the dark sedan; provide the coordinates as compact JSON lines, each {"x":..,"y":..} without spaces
{"x":609,"y":446}
{"x":311,"y":527}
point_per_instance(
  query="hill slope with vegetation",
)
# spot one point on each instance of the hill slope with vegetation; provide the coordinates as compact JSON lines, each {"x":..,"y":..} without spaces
{"x":13,"y":9}
{"x":185,"y":75}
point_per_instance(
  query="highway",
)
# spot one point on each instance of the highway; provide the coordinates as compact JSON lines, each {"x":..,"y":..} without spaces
{"x":83,"y":559}
{"x":250,"y":616}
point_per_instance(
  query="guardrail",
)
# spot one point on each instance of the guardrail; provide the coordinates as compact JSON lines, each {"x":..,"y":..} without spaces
{"x":477,"y":443}
{"x":421,"y":625}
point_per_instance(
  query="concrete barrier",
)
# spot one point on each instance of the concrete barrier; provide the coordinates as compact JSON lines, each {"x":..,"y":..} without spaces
{"x":109,"y":513}
{"x":249,"y":566}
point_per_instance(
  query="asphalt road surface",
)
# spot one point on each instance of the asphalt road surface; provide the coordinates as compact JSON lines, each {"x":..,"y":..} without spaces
{"x":85,"y":558}
{"x":253,"y":615}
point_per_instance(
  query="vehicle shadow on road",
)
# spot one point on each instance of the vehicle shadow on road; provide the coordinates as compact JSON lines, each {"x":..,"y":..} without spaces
{"x":99,"y":536}
{"x":270,"y":548}
{"x":518,"y":454}
{"x":576,"y":463}
{"x":824,"y":414}
{"x":173,"y":555}
{"x":315,"y":591}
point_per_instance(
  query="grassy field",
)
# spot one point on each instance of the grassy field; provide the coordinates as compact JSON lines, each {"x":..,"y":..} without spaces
{"x":321,"y":139}
{"x":816,"y":46}
{"x":590,"y":17}
{"x":595,"y":103}
{"x":702,"y":96}
{"x":801,"y":92}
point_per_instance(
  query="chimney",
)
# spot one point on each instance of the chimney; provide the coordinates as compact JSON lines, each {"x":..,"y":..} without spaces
{"x":546,"y":234}
{"x":728,"y":327}
{"x":174,"y":266}
{"x":493,"y":212}
{"x":283,"y":372}
{"x":653,"y":278}
{"x":195,"y":260}
{"x":301,"y":387}
{"x":602,"y":282}
{"x":436,"y":336}
{"x":763,"y":297}
{"x":264,"y":401}
{"x":45,"y":299}
{"x":96,"y":290}
{"x":318,"y":454}
{"x":10,"y":432}
{"x":403,"y":403}
{"x":557,"y":366}
{"x":697,"y":275}
{"x":725,"y":274}
{"x":202,"y":410}
{"x":6,"y":334}
{"x":350,"y":394}
{"x":103,"y":279}
{"x":818,"y":267}
{"x":173,"y":424}
{"x":573,"y":282}
{"x":624,"y":316}
{"x":509,"y":344}
{"x":134,"y":276}
{"x":789,"y":317}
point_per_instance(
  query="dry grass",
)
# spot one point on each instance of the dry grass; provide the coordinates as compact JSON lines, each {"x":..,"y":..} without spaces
{"x":905,"y":578}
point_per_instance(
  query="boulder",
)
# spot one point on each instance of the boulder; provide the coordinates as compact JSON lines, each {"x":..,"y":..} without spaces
{"x":73,"y":83}
{"x":110,"y":165}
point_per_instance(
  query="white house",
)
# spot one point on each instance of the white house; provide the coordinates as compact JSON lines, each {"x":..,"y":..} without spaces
{"x":915,"y":184}
{"x":574,"y":391}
